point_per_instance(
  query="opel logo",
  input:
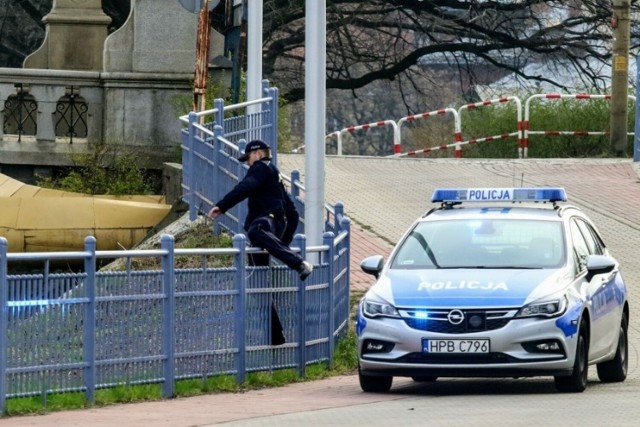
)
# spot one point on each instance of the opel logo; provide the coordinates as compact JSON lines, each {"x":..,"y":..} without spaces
{"x":455,"y":317}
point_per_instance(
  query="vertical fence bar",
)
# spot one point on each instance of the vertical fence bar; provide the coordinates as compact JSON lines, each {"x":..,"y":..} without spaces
{"x":4,"y":322}
{"x":300,"y":241}
{"x":218,"y":105}
{"x":216,"y":184}
{"x":193,"y":119}
{"x":338,"y":210}
{"x":239,"y":242}
{"x":90,"y":319}
{"x":273,"y":118}
{"x":241,"y":172}
{"x":295,"y":195}
{"x":345,"y":226}
{"x":167,"y":243}
{"x":330,"y":260}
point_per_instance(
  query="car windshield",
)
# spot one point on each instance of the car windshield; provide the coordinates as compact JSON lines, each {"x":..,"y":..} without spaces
{"x":485,"y":243}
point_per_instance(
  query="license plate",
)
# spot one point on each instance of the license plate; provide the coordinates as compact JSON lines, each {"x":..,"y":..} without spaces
{"x":456,"y":346}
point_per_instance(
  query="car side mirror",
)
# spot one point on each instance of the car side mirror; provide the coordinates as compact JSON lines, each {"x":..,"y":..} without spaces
{"x":372,"y":265}
{"x":599,"y":264}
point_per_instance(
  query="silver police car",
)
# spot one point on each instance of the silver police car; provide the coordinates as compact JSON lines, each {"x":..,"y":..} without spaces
{"x":495,"y":282}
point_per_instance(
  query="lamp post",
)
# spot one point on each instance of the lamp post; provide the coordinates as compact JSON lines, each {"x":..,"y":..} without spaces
{"x":314,"y":117}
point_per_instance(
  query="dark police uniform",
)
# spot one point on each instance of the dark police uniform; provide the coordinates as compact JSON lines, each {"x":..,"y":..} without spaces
{"x":270,"y":224}
{"x":269,"y":209}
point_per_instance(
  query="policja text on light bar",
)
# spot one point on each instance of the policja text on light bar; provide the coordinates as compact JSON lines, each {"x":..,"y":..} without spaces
{"x":544,"y":194}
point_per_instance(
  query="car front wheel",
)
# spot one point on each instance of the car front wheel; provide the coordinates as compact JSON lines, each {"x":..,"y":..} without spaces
{"x":577,"y":381}
{"x":374,"y":384}
{"x":615,"y":370}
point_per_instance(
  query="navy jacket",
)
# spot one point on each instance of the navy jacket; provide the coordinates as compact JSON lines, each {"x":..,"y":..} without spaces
{"x":264,"y":190}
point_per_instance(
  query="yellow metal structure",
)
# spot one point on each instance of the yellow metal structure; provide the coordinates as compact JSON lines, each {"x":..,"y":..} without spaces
{"x":35,"y":219}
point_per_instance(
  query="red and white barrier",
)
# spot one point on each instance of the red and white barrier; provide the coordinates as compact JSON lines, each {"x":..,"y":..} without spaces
{"x":456,"y":127}
{"x":381,"y":123}
{"x":522,"y":126}
{"x":501,"y":100}
{"x":527,"y":107}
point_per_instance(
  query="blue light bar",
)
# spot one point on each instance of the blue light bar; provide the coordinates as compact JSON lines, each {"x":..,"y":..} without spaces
{"x":499,"y":195}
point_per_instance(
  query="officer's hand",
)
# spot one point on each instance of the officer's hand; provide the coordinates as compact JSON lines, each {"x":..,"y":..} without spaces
{"x":214,"y":212}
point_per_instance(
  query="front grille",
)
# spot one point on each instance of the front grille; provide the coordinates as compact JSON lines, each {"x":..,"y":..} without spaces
{"x":473,"y":320}
{"x":457,"y":359}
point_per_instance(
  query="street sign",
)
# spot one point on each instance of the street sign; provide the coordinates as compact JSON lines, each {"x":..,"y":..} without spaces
{"x":194,"y":6}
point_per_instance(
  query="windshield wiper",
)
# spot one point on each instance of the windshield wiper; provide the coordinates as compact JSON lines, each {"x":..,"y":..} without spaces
{"x":425,"y":246}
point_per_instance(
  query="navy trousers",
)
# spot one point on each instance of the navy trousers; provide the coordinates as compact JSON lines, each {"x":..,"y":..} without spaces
{"x":265,"y":232}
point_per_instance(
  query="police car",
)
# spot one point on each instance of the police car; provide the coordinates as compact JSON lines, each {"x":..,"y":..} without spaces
{"x":495,"y":282}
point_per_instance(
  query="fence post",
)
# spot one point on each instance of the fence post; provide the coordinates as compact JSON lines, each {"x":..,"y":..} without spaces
{"x":167,"y":243}
{"x":295,"y":196}
{"x":300,"y":241}
{"x":218,"y":105}
{"x":345,"y":226}
{"x":273,"y":94}
{"x":214,"y":188}
{"x":90,"y":319}
{"x":240,"y":242}
{"x":338,"y":213}
{"x":4,"y":322}
{"x":193,"y":117}
{"x":330,"y":260}
{"x":241,"y":172}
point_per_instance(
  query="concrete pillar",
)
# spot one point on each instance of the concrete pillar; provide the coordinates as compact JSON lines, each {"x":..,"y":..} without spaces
{"x":75,"y":35}
{"x":47,"y":97}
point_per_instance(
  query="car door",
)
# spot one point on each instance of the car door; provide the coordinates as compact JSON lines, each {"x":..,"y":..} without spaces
{"x":599,"y":291}
{"x":607,"y":301}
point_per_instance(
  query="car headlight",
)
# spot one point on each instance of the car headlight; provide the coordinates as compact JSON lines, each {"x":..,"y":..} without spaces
{"x":550,"y":308}
{"x":374,"y":308}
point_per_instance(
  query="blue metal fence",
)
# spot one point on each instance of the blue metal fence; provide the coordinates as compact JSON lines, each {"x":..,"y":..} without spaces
{"x":87,"y":330}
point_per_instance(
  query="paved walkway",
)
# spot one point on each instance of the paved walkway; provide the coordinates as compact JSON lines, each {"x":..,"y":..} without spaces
{"x":383,"y":196}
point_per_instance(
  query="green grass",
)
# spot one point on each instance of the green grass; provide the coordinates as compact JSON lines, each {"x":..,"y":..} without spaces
{"x":345,"y":362}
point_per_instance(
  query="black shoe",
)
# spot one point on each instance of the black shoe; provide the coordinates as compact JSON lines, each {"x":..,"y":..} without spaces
{"x":305,"y":270}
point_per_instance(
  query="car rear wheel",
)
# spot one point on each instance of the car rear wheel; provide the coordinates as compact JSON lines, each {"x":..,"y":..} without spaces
{"x":577,"y":381}
{"x":374,"y":384}
{"x":615,"y":370}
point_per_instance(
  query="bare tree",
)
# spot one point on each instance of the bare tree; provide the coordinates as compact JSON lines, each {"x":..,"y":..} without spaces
{"x":373,"y":40}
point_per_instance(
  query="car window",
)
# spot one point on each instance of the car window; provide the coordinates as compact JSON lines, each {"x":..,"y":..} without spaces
{"x":594,"y":244}
{"x":580,"y":246}
{"x":486,"y":243}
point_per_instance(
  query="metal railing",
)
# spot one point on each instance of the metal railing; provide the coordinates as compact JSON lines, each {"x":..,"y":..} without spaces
{"x":88,"y":330}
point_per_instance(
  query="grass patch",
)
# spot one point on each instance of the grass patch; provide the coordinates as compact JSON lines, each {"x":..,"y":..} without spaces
{"x":128,"y":394}
{"x":42,"y":404}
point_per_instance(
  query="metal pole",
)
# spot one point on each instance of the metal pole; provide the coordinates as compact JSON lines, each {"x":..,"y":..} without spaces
{"x":202,"y":57}
{"x":636,"y":138}
{"x":254,"y":54}
{"x":619,"y":77}
{"x":314,"y":117}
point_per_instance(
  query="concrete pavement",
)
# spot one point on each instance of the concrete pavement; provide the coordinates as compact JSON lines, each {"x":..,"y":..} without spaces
{"x":383,"y":196}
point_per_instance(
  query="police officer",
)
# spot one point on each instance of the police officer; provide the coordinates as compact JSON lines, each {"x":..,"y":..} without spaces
{"x":269,"y":208}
